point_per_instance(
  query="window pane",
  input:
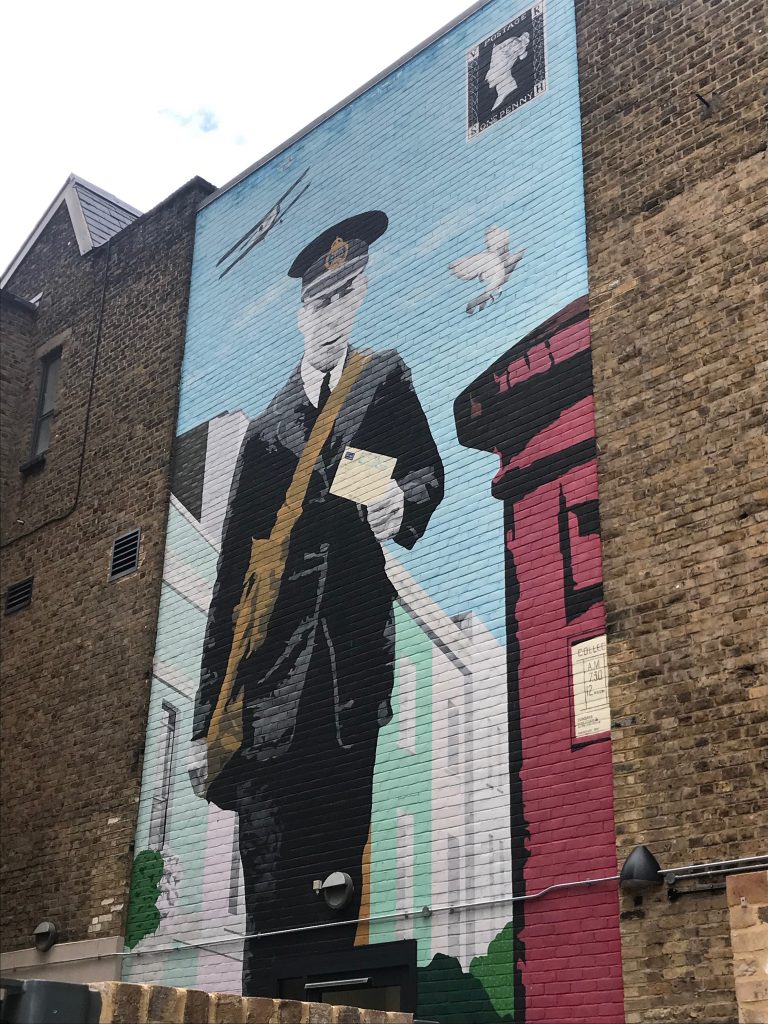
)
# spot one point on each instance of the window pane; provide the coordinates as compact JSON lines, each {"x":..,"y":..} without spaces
{"x":43,"y":438}
{"x":234,"y":876}
{"x":169,"y":728}
{"x":404,"y":894}
{"x":50,"y":384}
{"x":453,"y":725}
{"x":161,"y":798}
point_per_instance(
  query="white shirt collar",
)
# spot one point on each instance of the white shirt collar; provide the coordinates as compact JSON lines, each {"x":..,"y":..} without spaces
{"x":312,"y":378}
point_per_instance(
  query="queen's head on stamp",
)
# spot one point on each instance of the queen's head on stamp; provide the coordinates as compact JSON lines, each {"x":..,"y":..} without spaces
{"x":503,"y":58}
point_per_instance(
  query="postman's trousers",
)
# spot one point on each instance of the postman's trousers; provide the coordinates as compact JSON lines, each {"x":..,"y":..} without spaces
{"x":302,"y":817}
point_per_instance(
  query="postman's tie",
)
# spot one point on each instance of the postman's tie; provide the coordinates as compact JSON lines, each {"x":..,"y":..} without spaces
{"x":325,"y":393}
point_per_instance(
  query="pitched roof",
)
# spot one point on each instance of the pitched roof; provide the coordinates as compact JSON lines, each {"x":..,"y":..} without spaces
{"x":95,"y":214}
{"x":104,"y":215}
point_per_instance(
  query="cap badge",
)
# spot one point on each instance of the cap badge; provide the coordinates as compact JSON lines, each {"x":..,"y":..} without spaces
{"x":337,"y":255}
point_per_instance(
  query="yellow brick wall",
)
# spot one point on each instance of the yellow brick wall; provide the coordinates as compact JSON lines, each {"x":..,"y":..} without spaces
{"x":154,"y":1004}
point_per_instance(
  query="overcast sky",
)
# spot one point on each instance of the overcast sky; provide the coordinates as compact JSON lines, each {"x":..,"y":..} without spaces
{"x":138,"y":98}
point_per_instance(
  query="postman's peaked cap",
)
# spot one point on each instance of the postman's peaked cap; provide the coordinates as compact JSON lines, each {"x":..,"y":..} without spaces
{"x":363,"y":229}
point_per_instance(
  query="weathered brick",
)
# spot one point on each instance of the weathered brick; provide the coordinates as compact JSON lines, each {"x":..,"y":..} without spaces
{"x":676,"y":199}
{"x":260,"y":1010}
{"x":226,"y":1009}
{"x":123,"y":1003}
{"x":196,"y":1006}
{"x":75,"y":696}
{"x":166,"y":1005}
{"x":751,"y":887}
{"x":292,"y":1012}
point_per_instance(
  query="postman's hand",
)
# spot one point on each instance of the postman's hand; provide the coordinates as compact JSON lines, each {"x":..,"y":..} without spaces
{"x":197,"y":766}
{"x":385,"y":514}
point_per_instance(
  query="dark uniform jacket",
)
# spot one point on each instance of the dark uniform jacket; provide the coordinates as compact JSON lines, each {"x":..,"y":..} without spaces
{"x":335,"y":600}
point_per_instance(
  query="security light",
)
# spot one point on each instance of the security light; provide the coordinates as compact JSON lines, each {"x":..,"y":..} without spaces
{"x":640,"y":871}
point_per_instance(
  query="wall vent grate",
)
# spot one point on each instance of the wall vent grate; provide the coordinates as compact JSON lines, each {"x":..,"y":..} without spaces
{"x":18,"y":596}
{"x":125,"y":554}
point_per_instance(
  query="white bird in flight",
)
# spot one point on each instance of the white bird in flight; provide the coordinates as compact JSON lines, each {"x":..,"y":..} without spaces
{"x":493,"y":266}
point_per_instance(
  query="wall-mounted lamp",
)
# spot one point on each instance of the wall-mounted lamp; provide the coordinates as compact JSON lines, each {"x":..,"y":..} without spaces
{"x":338,"y":890}
{"x":640,"y":871}
{"x":45,"y":936}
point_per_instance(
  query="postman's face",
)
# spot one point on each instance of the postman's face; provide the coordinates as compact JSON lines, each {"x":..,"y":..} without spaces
{"x":326,"y":322}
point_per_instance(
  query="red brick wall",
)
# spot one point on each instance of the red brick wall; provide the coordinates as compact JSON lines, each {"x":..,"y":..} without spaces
{"x":534,"y":408}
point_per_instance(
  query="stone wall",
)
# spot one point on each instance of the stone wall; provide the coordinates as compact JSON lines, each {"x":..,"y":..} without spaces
{"x":76,"y":663}
{"x":113,"y":1002}
{"x":153,"y":1004}
{"x":676,"y":183}
{"x":748,"y":908}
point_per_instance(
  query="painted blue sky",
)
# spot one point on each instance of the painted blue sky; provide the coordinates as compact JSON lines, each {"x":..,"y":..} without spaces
{"x":402,"y":148}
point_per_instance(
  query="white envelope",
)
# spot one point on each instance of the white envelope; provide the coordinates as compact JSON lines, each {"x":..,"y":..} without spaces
{"x":362,"y":476}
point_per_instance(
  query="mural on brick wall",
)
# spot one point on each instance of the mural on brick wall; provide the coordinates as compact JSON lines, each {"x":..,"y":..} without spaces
{"x":379,"y":721}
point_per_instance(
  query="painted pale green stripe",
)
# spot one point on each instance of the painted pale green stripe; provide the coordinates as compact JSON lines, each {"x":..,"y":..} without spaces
{"x":187,"y":544}
{"x":181,"y":625}
{"x":403,"y":782}
{"x":180,"y":640}
{"x":187,"y":819}
{"x":181,"y":629}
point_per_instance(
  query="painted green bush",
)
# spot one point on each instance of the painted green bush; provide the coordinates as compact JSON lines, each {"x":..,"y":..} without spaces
{"x":449,"y":995}
{"x":143,"y":915}
{"x":494,"y":971}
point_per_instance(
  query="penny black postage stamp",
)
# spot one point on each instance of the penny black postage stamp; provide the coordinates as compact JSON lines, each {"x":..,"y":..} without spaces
{"x":506,"y":70}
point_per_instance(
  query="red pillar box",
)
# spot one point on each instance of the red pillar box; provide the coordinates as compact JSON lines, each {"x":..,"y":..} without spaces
{"x":534,"y":408}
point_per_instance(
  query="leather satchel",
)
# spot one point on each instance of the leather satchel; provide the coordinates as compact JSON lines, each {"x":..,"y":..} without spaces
{"x":262,"y":580}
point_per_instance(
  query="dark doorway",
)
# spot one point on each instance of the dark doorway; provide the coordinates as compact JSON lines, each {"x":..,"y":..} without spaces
{"x":376,"y":977}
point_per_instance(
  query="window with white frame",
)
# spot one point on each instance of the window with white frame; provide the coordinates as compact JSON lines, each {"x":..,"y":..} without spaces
{"x":161,"y":798}
{"x":404,"y":895}
{"x":454,"y":871}
{"x":495,"y":863}
{"x":452,"y":724}
{"x":233,"y":899}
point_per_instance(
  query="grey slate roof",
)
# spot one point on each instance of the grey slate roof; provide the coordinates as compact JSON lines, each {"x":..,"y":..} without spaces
{"x":104,"y":215}
{"x":95,"y":214}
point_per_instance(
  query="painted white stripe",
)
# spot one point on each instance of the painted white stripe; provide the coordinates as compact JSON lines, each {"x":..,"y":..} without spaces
{"x":438,"y":626}
{"x":187,"y":516}
{"x":187,"y":581}
{"x":178,"y":681}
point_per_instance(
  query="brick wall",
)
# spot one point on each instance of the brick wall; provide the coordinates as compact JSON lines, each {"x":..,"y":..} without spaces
{"x":76,"y":663}
{"x":676,"y":186}
{"x":18,"y":327}
{"x":470,"y":743}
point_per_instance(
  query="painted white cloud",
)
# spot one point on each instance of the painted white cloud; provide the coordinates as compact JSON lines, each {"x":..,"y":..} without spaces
{"x":253,"y":310}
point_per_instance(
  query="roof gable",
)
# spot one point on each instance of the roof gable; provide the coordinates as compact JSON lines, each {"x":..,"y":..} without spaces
{"x":95,"y":214}
{"x":104,"y":215}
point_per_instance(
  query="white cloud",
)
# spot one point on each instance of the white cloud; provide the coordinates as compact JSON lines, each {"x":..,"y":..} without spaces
{"x":129,"y":101}
{"x":252,"y":310}
{"x":201,"y":120}
{"x":448,"y":228}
